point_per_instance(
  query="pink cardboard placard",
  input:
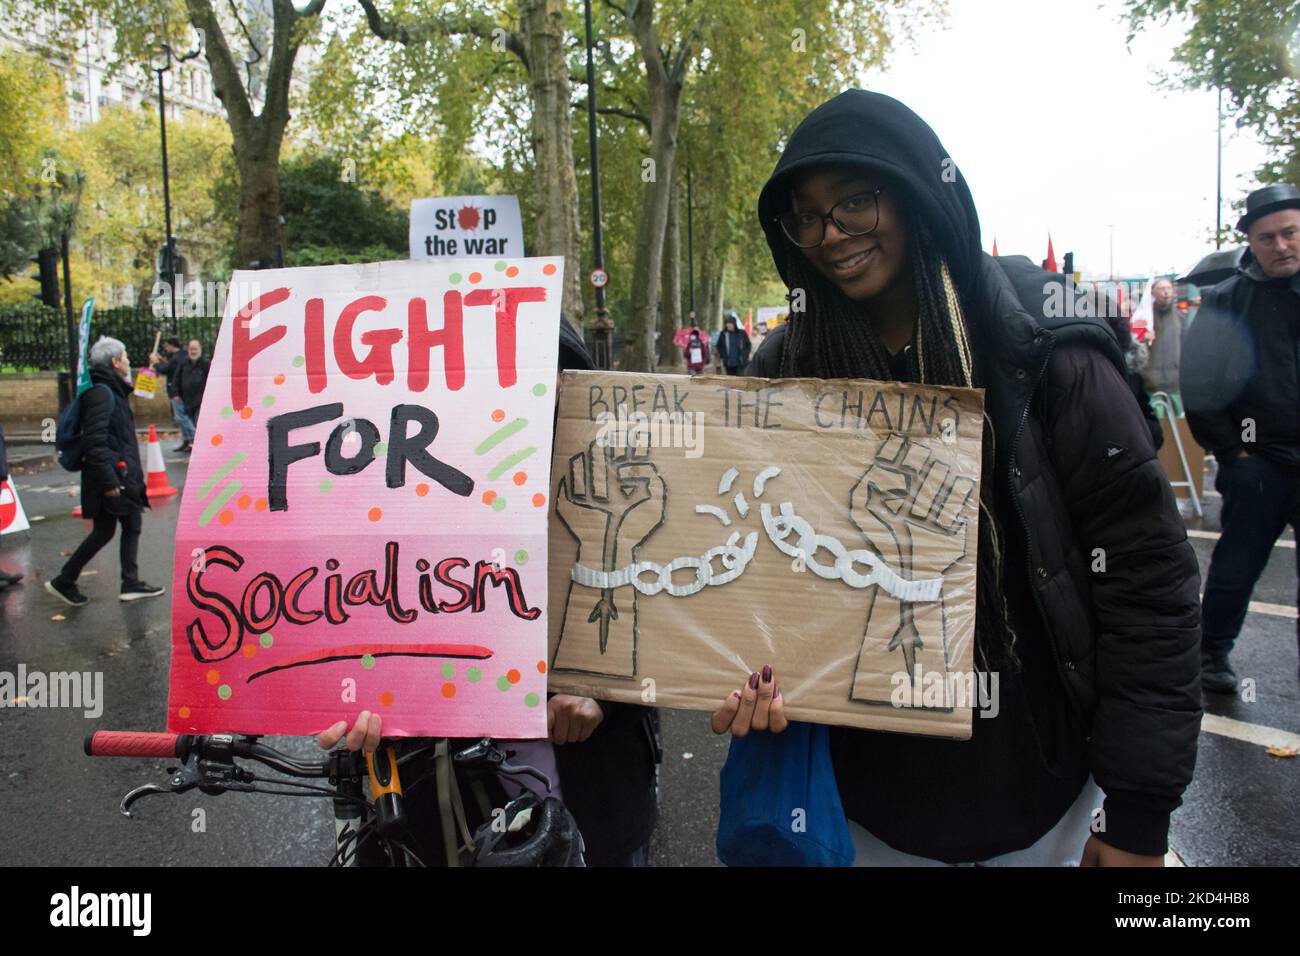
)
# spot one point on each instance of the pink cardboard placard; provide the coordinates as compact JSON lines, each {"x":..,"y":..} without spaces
{"x":363,"y":526}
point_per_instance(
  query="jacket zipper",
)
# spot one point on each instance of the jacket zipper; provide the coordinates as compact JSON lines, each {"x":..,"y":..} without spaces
{"x":1024,"y":520}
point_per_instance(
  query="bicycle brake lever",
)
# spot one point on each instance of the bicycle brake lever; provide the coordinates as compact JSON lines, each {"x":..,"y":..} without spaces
{"x":136,"y":794}
{"x":520,"y":769}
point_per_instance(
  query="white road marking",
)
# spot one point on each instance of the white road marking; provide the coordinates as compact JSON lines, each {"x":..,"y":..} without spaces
{"x":1215,"y":536}
{"x":1276,"y":610}
{"x":1250,"y":733}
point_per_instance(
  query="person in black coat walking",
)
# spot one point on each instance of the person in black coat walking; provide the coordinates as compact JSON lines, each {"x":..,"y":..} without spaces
{"x":1241,"y":387}
{"x":112,"y":479}
{"x":167,"y":364}
{"x":868,"y":217}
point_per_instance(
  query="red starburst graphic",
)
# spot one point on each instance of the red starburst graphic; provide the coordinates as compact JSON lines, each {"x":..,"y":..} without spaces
{"x":468,"y":217}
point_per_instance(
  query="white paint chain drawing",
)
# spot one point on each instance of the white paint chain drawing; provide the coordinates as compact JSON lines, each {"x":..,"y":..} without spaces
{"x":779,"y":527}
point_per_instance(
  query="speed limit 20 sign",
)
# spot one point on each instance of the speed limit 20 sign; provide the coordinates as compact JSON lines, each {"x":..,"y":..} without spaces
{"x":599,"y":278}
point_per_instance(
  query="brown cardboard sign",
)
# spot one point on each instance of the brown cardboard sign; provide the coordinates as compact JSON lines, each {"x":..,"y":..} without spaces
{"x":703,"y":527}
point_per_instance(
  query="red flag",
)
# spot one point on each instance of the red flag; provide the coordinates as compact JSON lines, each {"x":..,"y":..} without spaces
{"x":995,"y":245}
{"x":749,"y":322}
{"x":1051,"y":256}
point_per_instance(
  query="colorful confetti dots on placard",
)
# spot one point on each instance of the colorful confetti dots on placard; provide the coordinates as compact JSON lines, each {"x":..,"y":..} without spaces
{"x":279,"y":379}
{"x":512,"y":272}
{"x":381,"y":448}
{"x":224,"y":692}
{"x":246,"y":412}
{"x":260,"y":505}
{"x":548,"y":269}
{"x":184,"y":713}
{"x":498,"y":503}
{"x":520,"y":478}
{"x":498,"y":414}
{"x":326,"y":485}
{"x":454,"y":278}
{"x":213,"y":675}
{"x":448,"y":670}
{"x":267,"y":639}
{"x":512,"y":675}
{"x":226,"y":517}
{"x":541,"y":667}
{"x":539,"y":499}
{"x":368,"y":661}
{"x":386,"y":698}
{"x":268,"y":401}
{"x":299,"y":361}
{"x":227,"y":412}
{"x":216,"y":440}
{"x":476,"y":277}
{"x":500,"y":267}
{"x":521,"y":556}
{"x":489,"y":496}
{"x":473,"y":675}
{"x":502,"y":683}
{"x":539,"y":389}
{"x":422,"y":489}
{"x":531,"y":699}
{"x":374,"y":514}
{"x":449,"y":690}
{"x":244,"y":501}
{"x":250,"y":650}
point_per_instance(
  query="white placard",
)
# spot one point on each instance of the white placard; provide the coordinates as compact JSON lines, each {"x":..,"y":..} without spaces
{"x":449,"y":227}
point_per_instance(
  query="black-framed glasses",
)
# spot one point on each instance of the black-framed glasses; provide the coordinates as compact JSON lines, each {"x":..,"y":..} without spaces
{"x":856,"y":215}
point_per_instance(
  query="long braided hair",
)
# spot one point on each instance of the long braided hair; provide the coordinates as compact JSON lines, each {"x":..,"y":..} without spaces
{"x":834,"y":337}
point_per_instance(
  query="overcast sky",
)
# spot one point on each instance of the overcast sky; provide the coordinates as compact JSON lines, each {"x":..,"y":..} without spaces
{"x":1057,"y":126}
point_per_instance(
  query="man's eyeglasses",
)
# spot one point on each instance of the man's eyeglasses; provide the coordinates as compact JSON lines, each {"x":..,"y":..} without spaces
{"x":856,"y":215}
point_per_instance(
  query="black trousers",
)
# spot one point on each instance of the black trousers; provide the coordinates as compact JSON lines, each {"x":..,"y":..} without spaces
{"x":1260,"y":498}
{"x":100,"y":535}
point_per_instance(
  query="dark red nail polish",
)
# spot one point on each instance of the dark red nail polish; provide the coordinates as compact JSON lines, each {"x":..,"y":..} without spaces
{"x":767,"y":673}
{"x":753,"y":681}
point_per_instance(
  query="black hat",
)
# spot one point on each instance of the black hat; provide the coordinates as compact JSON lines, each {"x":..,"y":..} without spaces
{"x":1267,"y":200}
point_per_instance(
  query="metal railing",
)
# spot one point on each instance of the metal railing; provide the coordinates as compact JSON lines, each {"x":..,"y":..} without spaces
{"x":36,"y":338}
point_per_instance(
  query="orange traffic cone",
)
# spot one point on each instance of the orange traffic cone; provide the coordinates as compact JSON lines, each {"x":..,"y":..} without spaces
{"x":156,"y":485}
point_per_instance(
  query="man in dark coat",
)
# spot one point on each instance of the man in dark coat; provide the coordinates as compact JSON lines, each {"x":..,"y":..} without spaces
{"x":167,"y":364}
{"x":732,"y":345}
{"x":1240,"y":379}
{"x":112,"y":480}
{"x":191,"y":379}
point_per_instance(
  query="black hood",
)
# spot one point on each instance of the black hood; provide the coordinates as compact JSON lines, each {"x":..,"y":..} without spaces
{"x":870,"y":129}
{"x":573,"y":351}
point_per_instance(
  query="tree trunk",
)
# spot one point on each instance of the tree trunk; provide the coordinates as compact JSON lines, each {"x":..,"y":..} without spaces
{"x":664,"y":83}
{"x":260,"y":234}
{"x":670,"y":356}
{"x":558,"y":233}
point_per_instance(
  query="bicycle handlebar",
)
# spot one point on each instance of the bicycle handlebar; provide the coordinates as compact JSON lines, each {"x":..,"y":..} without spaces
{"x":131,"y":743}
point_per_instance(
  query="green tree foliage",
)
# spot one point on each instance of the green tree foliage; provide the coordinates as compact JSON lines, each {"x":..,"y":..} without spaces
{"x":1250,"y":48}
{"x":328,"y":214}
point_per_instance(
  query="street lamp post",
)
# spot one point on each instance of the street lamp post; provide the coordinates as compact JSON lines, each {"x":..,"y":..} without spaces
{"x":602,"y":329}
{"x":169,"y":248}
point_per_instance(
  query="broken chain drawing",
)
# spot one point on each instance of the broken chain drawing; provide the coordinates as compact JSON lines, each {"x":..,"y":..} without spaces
{"x":909,"y":549}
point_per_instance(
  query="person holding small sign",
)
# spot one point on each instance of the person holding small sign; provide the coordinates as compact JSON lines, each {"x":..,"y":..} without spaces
{"x":1087,"y":591}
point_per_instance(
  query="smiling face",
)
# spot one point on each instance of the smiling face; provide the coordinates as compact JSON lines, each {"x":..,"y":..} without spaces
{"x":862,"y":267}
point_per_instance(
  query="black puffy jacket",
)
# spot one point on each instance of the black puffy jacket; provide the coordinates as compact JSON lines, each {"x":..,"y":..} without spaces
{"x":1241,"y":367}
{"x":110,"y":456}
{"x":1111,"y":683}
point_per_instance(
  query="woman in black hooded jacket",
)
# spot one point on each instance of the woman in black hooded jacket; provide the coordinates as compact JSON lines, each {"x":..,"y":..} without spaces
{"x":873,"y":229}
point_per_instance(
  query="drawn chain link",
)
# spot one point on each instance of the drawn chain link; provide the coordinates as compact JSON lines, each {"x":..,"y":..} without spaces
{"x":779,"y":528}
{"x":734,"y":560}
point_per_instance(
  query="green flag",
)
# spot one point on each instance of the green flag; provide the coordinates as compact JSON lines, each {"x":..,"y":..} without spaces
{"x":83,"y":346}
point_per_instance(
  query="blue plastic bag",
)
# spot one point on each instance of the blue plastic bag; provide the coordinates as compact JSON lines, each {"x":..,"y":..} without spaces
{"x":779,"y":802}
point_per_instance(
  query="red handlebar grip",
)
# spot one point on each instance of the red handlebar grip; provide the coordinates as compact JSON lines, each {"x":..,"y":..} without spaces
{"x":130,"y":743}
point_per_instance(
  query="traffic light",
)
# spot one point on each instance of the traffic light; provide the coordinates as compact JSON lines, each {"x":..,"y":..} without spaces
{"x":47,"y":274}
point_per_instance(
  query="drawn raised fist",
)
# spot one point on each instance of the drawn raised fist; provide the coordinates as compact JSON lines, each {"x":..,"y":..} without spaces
{"x":611,"y":500}
{"x":913,"y":510}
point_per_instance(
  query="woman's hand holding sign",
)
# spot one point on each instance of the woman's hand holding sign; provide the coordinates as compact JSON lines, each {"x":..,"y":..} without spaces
{"x":364,"y":735}
{"x":757,"y":706}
